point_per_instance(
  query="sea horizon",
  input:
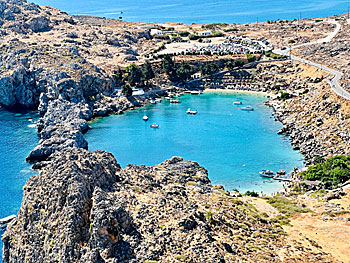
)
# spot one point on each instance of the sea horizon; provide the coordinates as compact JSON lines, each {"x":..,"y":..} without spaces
{"x":205,"y":12}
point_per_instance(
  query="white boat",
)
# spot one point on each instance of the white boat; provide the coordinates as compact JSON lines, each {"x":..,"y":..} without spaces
{"x":174,"y":101}
{"x":237,"y":103}
{"x":145,"y":118}
{"x":5,"y":221}
{"x":267,"y":173}
{"x":154,"y":125}
{"x":158,"y":100}
{"x":153,"y":102}
{"x":138,"y":92}
{"x":196,"y":92}
{"x":248,"y":108}
{"x":193,"y":112}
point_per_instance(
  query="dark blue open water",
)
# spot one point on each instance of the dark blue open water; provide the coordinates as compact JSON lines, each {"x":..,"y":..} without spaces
{"x":200,"y":11}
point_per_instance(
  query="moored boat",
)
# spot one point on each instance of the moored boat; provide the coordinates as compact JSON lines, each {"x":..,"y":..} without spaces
{"x":174,"y":101}
{"x":5,"y":221}
{"x":145,"y":118}
{"x":192,"y":112}
{"x":237,"y":102}
{"x":281,"y":172}
{"x":247,"y":108}
{"x":267,"y":173}
{"x":154,"y":125}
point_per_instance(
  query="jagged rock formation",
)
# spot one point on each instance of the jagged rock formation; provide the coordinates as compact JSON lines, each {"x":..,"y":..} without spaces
{"x":57,"y":73}
{"x":82,"y":207}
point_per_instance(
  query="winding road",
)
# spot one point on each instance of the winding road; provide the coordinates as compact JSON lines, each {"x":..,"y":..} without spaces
{"x":334,"y":82}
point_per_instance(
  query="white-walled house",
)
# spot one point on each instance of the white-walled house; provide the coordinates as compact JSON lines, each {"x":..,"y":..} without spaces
{"x":204,"y":33}
{"x":157,"y":32}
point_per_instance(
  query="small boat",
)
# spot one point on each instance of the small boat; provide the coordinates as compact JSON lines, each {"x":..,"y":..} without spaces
{"x":145,"y":118}
{"x":5,"y":221}
{"x":153,"y":102}
{"x":174,"y":101}
{"x":237,"y":102}
{"x":267,"y":173}
{"x":158,"y":100}
{"x":154,"y":125}
{"x":196,"y":92}
{"x":248,"y":108}
{"x":281,"y":172}
{"x":193,"y":112}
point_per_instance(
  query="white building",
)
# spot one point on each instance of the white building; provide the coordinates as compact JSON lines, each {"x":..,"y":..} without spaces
{"x":157,"y":32}
{"x":138,"y":92}
{"x":142,"y":27}
{"x":204,"y":33}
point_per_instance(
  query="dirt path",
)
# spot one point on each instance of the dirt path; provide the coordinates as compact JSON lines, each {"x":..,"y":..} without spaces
{"x":331,"y":236}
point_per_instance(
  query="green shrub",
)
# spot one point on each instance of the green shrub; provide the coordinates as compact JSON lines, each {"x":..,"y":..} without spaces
{"x":332,"y":172}
{"x":193,"y":37}
{"x":252,"y":193}
{"x":273,"y":55}
{"x":250,"y":57}
{"x":183,"y":33}
{"x":285,"y":95}
{"x":231,"y":30}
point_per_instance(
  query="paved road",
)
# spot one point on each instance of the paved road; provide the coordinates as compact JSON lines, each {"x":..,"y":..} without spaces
{"x":334,"y":82}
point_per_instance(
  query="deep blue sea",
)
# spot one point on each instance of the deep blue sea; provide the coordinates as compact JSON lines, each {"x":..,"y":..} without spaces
{"x":201,"y":11}
{"x":17,"y":137}
{"x":233,"y":145}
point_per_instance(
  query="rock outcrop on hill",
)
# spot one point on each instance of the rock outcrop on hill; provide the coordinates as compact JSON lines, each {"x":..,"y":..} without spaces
{"x":82,"y":207}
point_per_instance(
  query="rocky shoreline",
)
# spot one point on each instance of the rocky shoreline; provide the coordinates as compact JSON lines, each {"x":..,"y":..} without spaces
{"x":64,"y":123}
{"x":82,"y":207}
{"x":300,"y":136}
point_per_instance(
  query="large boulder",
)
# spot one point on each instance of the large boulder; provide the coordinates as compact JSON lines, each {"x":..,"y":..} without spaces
{"x":38,"y":24}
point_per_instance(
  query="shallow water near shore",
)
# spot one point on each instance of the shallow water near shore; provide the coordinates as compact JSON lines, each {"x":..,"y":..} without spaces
{"x":233,"y":145}
{"x":17,"y":137}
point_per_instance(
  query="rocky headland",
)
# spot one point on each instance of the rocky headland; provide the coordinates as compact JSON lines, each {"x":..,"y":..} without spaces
{"x":46,"y":65}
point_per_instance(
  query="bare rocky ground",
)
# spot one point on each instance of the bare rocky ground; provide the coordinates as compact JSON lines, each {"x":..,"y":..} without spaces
{"x":315,"y":118}
{"x":325,"y":228}
{"x":334,"y":54}
{"x":82,"y":207}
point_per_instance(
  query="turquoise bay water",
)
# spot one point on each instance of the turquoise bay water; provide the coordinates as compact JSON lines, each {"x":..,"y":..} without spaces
{"x":233,"y":145}
{"x":203,"y":11}
{"x":17,"y":137}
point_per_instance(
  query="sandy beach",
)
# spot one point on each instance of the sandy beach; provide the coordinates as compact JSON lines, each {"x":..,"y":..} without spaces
{"x":229,"y":91}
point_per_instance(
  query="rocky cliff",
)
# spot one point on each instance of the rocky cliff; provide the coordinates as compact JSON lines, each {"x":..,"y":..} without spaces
{"x":62,"y":66}
{"x":82,"y":207}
